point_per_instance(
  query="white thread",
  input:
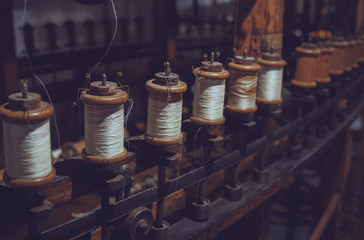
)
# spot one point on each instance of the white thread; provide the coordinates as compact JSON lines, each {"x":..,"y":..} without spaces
{"x":270,"y":83}
{"x":27,"y":150}
{"x":104,"y":130}
{"x":208,"y":101}
{"x":242,"y":90}
{"x":164,"y":119}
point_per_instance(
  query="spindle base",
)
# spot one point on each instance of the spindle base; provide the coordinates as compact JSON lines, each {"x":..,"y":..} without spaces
{"x":294,"y":152}
{"x":260,"y":176}
{"x":332,"y":122}
{"x":233,"y":193}
{"x":201,"y":211}
{"x":28,"y":183}
{"x":309,"y":141}
{"x":159,"y":232}
{"x":322,"y":131}
{"x":101,"y":160}
{"x":162,"y":142}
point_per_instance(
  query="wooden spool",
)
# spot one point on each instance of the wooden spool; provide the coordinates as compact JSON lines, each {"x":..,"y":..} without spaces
{"x":158,"y":90}
{"x":358,"y":47}
{"x":338,"y":56}
{"x":324,"y":63}
{"x":274,"y":60}
{"x":306,"y":66}
{"x":210,"y":70}
{"x":103,"y":95}
{"x":361,"y":57}
{"x":23,"y":111}
{"x":247,"y":67}
{"x":349,"y":52}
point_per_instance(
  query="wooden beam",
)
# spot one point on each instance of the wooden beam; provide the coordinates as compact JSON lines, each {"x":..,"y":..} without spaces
{"x":259,"y":26}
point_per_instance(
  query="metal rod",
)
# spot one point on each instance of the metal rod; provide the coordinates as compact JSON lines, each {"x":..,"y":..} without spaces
{"x":160,"y":203}
{"x":103,"y":79}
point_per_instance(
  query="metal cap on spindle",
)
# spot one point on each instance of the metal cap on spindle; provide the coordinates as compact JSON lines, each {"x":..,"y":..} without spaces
{"x":245,"y":59}
{"x":24,"y":100}
{"x":212,"y":65}
{"x":166,"y":77}
{"x":103,"y":87}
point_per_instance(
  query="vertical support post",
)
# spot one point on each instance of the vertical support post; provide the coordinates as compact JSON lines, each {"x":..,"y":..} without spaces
{"x":165,"y":28}
{"x":8,"y":61}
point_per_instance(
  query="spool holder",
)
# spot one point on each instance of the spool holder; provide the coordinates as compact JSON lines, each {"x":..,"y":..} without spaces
{"x":112,"y":187}
{"x":269,"y":113}
{"x":200,"y":207}
{"x":165,"y":159}
{"x":304,"y":101}
{"x":246,"y":126}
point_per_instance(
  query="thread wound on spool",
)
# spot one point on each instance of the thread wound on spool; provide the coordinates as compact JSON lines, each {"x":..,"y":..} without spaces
{"x":27,"y":150}
{"x":270,"y":78}
{"x":209,"y":92}
{"x":104,"y":122}
{"x":208,"y":102}
{"x":104,"y":130}
{"x":164,"y":119}
{"x":270,"y":83}
{"x":165,"y":108}
{"x":243,"y":84}
{"x":242,"y":90}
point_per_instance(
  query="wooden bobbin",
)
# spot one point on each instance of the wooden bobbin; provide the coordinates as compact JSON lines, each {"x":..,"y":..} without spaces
{"x":271,"y":59}
{"x":358,"y":47}
{"x":338,"y":56}
{"x":247,"y":67}
{"x":26,"y":108}
{"x":361,"y":58}
{"x":210,"y":70}
{"x":324,"y":62}
{"x":306,"y":65}
{"x":354,"y":56}
{"x":159,"y":91}
{"x":103,"y":94}
{"x":349,"y":52}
